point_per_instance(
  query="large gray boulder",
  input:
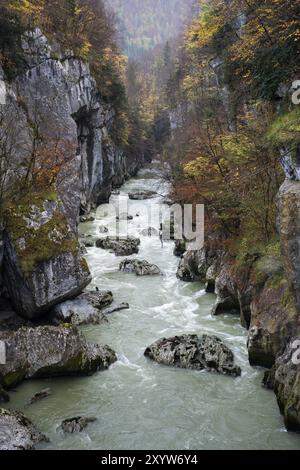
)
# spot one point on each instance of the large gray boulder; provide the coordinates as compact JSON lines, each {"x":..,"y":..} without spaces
{"x":86,"y":309}
{"x":17,"y":432}
{"x":120,"y":246}
{"x":50,"y":351}
{"x":194,"y":352}
{"x":139,"y":267}
{"x":43,"y":264}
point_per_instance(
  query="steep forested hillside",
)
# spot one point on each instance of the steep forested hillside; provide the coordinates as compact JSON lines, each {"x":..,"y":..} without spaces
{"x":148,"y":23}
{"x":234,"y":75}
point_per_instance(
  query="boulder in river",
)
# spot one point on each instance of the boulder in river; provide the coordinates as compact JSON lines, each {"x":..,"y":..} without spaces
{"x":84,"y":310}
{"x":47,"y":392}
{"x":139,"y":267}
{"x":50,"y":351}
{"x":103,"y":229}
{"x":124,"y":216}
{"x":17,"y":432}
{"x":194,"y":352}
{"x":78,"y":424}
{"x":142,"y":195}
{"x":43,"y":263}
{"x":120,"y":246}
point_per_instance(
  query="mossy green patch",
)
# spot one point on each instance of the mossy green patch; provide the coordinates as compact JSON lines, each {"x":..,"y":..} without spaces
{"x":44,"y":242}
{"x":13,"y":378}
{"x":288,"y":301}
{"x":286,"y":128}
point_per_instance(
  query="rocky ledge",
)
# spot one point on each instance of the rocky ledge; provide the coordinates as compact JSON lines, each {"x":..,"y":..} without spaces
{"x":284,"y":378}
{"x":119,"y":246}
{"x":17,"y":432}
{"x":50,"y":351}
{"x":194,"y":352}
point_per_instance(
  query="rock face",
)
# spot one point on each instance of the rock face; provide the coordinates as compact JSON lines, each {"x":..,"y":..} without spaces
{"x":288,"y":202}
{"x":195,"y":264}
{"x":285,"y":379}
{"x":17,"y":432}
{"x":48,"y":351}
{"x":86,"y":309}
{"x":42,"y":261}
{"x":120,"y":246}
{"x":139,"y":267}
{"x":256,"y":290}
{"x":274,"y":320}
{"x":194,"y":352}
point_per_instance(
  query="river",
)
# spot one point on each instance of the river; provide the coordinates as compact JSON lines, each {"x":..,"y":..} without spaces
{"x":139,"y":404}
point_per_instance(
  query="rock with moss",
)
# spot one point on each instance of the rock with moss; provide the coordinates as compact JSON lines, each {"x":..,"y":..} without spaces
{"x":4,"y":397}
{"x":286,"y":384}
{"x":194,"y":352}
{"x":43,"y":264}
{"x":17,"y":432}
{"x":274,"y":320}
{"x":50,"y":351}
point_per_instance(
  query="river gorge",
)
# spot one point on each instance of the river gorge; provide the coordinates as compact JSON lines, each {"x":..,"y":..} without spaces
{"x":142,"y":405}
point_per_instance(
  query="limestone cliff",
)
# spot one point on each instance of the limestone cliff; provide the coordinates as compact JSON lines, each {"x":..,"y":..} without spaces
{"x":57,"y":98}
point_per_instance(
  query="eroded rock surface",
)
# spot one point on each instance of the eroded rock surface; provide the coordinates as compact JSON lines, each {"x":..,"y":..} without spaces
{"x":120,"y":246}
{"x":194,"y":352}
{"x":285,"y":380}
{"x":17,"y":432}
{"x":139,"y":267}
{"x":50,"y":351}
